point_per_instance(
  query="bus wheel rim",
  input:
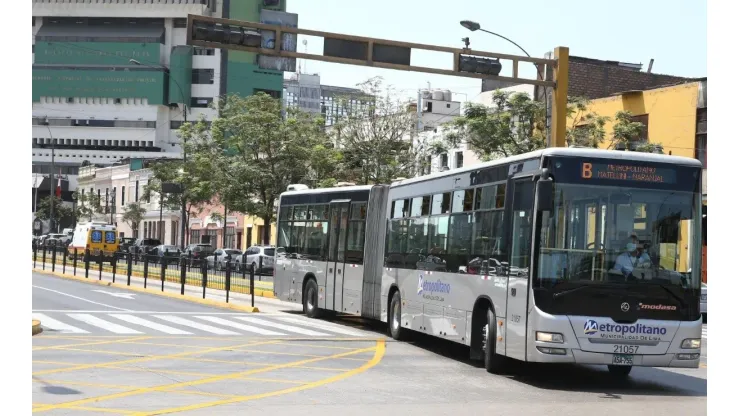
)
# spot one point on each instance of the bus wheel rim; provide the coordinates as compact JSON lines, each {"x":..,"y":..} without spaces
{"x":309,"y":300}
{"x":396,"y":322}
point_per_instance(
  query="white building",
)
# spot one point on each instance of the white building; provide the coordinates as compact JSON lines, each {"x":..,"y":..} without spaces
{"x":91,"y":102}
{"x":305,"y":91}
{"x":434,"y":131}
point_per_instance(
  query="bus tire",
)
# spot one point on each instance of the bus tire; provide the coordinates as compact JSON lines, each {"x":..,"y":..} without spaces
{"x":311,"y":299}
{"x":493,"y":362}
{"x":620,"y":371}
{"x":394,"y":317}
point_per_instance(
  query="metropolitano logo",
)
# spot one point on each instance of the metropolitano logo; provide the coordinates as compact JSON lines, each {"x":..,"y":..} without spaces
{"x":590,"y":327}
{"x":420,"y":287}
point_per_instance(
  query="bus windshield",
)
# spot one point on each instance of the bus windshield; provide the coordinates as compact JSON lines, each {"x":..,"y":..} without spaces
{"x":615,"y":235}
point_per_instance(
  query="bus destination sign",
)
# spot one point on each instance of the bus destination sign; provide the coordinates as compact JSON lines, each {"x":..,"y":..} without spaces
{"x":624,"y":172}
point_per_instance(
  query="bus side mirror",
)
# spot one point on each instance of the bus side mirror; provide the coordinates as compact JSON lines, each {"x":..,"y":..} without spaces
{"x":544,"y":195}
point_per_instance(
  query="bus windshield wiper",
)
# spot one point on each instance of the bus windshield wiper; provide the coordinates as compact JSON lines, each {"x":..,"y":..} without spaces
{"x":568,"y":291}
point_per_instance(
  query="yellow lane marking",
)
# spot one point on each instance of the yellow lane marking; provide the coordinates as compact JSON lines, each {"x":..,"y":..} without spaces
{"x":231,"y":362}
{"x":379,"y":352}
{"x":54,"y":347}
{"x":158,"y":370}
{"x":272,"y":380}
{"x":79,"y":383}
{"x":308,"y":367}
{"x":702,"y":365}
{"x":201,"y":393}
{"x":104,"y":410}
{"x":52,"y":362}
{"x":379,"y":347}
{"x":328,"y":347}
{"x":164,"y":345}
{"x":151,"y":358}
{"x":296,"y":355}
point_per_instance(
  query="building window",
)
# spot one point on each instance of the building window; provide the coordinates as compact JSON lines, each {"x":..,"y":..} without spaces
{"x":200,"y":102}
{"x":202,"y":76}
{"x":123,"y":196}
{"x":199,"y":51}
{"x":230,"y":237}
{"x":643,"y":119}
{"x":443,"y":160}
{"x":179,"y":23}
{"x":458,"y":159}
{"x":194,"y":236}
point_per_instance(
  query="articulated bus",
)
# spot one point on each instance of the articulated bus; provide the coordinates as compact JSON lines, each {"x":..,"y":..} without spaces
{"x":563,"y":255}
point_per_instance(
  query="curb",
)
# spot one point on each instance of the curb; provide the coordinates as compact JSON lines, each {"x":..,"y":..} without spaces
{"x":36,"y":325}
{"x":187,"y":298}
{"x":263,"y":293}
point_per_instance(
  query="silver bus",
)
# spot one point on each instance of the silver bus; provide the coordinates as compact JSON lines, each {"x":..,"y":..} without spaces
{"x":563,"y":255}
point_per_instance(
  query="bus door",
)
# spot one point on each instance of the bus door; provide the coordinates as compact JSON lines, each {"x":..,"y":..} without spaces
{"x":338,"y":217}
{"x":521,"y":223}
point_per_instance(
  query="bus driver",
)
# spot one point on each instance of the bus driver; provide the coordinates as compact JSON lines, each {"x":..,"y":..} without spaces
{"x":632,"y":258}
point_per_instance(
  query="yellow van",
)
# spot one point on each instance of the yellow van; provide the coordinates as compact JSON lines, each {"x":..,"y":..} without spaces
{"x":97,"y":237}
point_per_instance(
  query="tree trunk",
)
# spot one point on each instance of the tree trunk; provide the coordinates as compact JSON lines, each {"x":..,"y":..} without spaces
{"x":266,"y":220}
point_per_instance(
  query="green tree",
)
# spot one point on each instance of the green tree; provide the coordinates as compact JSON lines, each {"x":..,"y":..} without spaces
{"x":254,"y":150}
{"x":379,"y":143}
{"x":64,"y":215}
{"x":627,"y":135}
{"x":587,"y":128}
{"x":88,"y":205}
{"x":133,"y":215}
{"x":515,"y":124}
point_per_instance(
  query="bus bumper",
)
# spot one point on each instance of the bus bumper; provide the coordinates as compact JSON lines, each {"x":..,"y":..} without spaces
{"x":690,"y":359}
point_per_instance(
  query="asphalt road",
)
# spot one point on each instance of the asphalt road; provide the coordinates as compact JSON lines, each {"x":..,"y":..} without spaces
{"x":346,"y":367}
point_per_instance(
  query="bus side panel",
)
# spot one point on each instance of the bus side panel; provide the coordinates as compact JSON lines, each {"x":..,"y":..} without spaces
{"x":373,"y":305}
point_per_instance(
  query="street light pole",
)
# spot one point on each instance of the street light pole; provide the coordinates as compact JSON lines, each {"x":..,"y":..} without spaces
{"x":52,"y":195}
{"x":184,"y":152}
{"x":560,"y":98}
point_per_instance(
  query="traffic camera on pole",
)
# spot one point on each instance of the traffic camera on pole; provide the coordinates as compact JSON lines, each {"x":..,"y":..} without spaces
{"x":226,"y":34}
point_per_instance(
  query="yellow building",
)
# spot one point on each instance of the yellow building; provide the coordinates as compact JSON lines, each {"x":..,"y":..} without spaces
{"x":254,"y":230}
{"x":674,"y":117}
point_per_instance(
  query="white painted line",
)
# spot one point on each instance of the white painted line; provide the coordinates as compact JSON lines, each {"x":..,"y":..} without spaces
{"x":55,"y":325}
{"x":82,"y":299}
{"x":100,"y":323}
{"x":196,"y":325}
{"x":149,"y":324}
{"x":288,"y":328}
{"x":322,"y":326}
{"x":248,"y":328}
{"x":139,"y":312}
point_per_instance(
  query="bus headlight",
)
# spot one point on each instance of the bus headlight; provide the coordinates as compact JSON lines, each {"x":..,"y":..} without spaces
{"x":550,"y":337}
{"x":691,"y":343}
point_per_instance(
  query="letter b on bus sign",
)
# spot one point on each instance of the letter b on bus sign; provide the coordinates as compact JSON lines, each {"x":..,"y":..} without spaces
{"x":586,"y":172}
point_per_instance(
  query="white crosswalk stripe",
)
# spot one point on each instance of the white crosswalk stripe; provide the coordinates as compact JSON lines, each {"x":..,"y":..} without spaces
{"x":704,"y":331}
{"x":188,"y":324}
{"x":237,"y":325}
{"x":203,"y":327}
{"x":55,"y":325}
{"x":101,"y":323}
{"x":149,"y":324}
{"x":289,"y":328}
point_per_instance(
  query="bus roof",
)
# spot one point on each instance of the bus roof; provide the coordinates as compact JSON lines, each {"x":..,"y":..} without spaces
{"x":561,"y":151}
{"x":327,"y":190}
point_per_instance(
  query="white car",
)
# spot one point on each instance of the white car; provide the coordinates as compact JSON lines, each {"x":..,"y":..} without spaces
{"x":703,"y":302}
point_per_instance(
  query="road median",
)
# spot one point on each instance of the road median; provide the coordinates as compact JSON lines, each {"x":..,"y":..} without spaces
{"x":152,"y":290}
{"x":36,"y":327}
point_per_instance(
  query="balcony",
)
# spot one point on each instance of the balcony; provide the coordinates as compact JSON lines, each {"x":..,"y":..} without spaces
{"x":123,"y":8}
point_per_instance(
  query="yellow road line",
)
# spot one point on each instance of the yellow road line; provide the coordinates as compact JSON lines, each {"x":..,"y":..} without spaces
{"x":379,"y":352}
{"x":152,"y":358}
{"x":380,"y":346}
{"x":308,"y":367}
{"x":54,"y":347}
{"x":230,"y":362}
{"x":79,"y":383}
{"x":105,"y":410}
{"x":164,"y":345}
{"x":52,"y":362}
{"x":297,"y":355}
{"x":272,"y":380}
{"x":159,"y":370}
{"x":202,"y":393}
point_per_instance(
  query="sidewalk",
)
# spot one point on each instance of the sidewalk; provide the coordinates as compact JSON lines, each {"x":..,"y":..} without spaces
{"x":192,"y":293}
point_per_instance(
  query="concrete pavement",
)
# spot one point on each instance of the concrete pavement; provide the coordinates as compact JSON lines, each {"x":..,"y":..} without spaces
{"x":203,"y":373}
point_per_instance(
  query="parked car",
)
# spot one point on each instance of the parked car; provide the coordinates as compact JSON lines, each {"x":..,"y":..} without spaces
{"x":144,"y":246}
{"x":168,"y":254}
{"x":217,"y":260}
{"x":125,"y":244}
{"x":252,"y":261}
{"x":703,"y":302}
{"x":194,"y":252}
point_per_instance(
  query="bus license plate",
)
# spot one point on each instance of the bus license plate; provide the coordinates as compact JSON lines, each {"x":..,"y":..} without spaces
{"x":622,"y":359}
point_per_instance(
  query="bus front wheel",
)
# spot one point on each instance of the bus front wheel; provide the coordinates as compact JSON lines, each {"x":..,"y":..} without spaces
{"x":620,"y":371}
{"x":311,"y":299}
{"x":493,"y":362}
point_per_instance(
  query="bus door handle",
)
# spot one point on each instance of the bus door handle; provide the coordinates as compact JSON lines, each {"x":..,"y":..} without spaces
{"x":513,"y":291}
{"x":330,"y":270}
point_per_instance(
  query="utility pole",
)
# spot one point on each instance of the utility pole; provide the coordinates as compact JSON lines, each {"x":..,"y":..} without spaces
{"x":52,"y":195}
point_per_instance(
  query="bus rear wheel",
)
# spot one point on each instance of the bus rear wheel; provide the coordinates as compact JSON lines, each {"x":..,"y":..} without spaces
{"x":311,"y":299}
{"x":394,"y":317}
{"x":493,"y":362}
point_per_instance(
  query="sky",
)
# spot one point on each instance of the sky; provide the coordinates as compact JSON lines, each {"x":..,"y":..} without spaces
{"x":674,"y":33}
